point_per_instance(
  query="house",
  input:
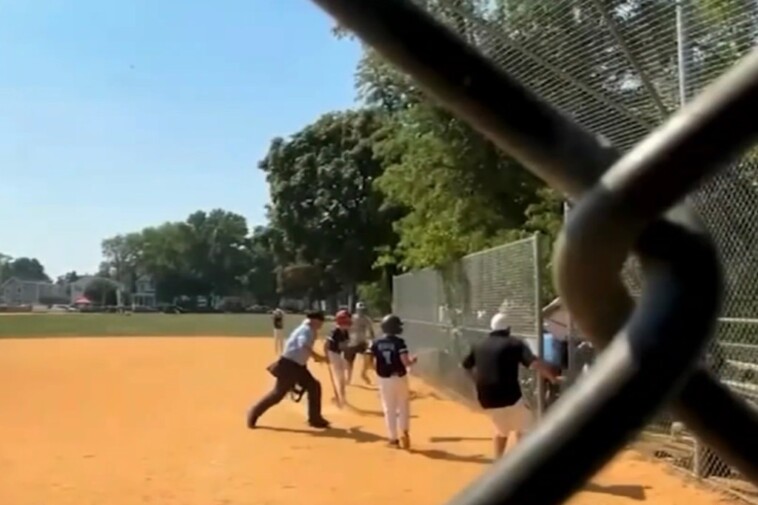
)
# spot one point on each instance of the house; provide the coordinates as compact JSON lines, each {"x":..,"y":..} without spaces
{"x":144,"y":294}
{"x":15,"y":291}
{"x":557,"y":320}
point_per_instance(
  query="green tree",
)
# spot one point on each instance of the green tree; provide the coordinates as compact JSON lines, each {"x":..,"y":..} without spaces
{"x":323,"y":200}
{"x":25,"y":269}
{"x":67,"y":278}
{"x":261,"y":280}
{"x":102,"y":291}
{"x":207,"y":254}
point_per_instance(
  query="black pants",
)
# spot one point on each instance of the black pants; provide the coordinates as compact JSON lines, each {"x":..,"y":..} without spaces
{"x":288,"y":374}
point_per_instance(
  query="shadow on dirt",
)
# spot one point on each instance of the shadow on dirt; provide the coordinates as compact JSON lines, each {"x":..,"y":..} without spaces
{"x":361,"y":436}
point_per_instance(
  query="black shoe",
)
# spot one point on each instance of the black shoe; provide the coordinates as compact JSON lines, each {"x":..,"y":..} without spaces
{"x":319,"y":423}
{"x":252,"y":421}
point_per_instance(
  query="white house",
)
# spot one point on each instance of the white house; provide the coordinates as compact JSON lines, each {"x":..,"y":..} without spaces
{"x":144,"y":294}
{"x":15,"y":291}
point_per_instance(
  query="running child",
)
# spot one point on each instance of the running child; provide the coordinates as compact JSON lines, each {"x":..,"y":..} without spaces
{"x":362,"y":335}
{"x":334,"y":346}
{"x":391,"y":361}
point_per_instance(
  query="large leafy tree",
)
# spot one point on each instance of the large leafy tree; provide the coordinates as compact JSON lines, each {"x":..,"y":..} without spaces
{"x":323,"y":200}
{"x":26,"y":269}
{"x":261,"y":279}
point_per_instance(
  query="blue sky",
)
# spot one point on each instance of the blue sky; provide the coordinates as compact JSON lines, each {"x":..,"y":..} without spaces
{"x":121,"y":114}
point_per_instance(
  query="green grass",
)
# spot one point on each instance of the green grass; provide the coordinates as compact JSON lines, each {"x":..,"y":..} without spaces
{"x":101,"y":325}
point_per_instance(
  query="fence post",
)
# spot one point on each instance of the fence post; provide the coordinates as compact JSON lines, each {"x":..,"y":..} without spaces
{"x":538,"y":322}
{"x":570,"y":333}
{"x":683,"y":50}
{"x":683,"y":62}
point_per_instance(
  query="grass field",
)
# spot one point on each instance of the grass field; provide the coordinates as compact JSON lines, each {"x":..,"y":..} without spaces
{"x":118,"y":325}
{"x":132,"y":420}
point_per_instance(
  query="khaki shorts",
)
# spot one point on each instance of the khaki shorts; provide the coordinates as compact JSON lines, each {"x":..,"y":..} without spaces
{"x":516,"y":418}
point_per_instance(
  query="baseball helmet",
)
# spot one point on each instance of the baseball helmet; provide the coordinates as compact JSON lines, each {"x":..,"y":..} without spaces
{"x":343,"y":317}
{"x":500,"y":322}
{"x":392,"y":325}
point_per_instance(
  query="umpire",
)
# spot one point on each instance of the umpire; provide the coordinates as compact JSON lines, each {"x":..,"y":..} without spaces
{"x":291,"y":370}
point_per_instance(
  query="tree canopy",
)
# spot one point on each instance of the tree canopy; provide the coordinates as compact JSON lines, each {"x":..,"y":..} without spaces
{"x":25,"y":269}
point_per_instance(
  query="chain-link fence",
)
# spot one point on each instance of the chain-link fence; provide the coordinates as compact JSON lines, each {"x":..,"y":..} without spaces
{"x":620,"y":68}
{"x":446,"y":310}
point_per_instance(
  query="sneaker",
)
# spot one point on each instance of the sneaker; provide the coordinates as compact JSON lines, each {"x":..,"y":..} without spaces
{"x":405,"y":440}
{"x":319,"y":423}
{"x":251,"y":421}
{"x":395,"y":444}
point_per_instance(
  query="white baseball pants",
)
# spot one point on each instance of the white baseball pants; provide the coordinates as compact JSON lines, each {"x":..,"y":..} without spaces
{"x":338,"y":364}
{"x":396,"y":403}
{"x":516,"y":418}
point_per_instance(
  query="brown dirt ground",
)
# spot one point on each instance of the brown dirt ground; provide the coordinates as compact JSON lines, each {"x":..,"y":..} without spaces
{"x":133,"y":421}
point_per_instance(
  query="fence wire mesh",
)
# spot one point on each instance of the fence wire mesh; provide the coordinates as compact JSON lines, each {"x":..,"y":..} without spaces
{"x":620,"y":68}
{"x":446,"y":310}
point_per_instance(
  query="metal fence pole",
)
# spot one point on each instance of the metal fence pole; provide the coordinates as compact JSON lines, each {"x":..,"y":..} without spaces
{"x":571,"y":340}
{"x":683,"y":52}
{"x":539,"y":326}
{"x":683,"y":64}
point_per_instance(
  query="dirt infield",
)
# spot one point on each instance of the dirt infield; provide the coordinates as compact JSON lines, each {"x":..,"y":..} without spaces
{"x":137,"y":420}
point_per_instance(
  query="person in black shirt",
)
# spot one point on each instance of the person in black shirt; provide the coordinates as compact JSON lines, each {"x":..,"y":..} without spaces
{"x":334,"y":348}
{"x":493,"y":364}
{"x":278,"y":320}
{"x":391,"y":361}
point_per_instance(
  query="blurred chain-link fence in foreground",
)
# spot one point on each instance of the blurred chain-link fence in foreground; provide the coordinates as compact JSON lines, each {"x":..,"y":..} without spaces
{"x":446,"y":310}
{"x":620,"y":68}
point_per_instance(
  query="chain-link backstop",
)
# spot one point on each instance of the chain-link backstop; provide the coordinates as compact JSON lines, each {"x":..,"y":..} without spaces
{"x":620,"y":68}
{"x":445,"y":310}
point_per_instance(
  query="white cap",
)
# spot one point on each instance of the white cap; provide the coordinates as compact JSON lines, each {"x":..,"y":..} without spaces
{"x":360,"y":305}
{"x":499,"y":322}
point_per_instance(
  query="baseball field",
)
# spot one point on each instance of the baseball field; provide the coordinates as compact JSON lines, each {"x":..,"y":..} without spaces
{"x":152,"y":410}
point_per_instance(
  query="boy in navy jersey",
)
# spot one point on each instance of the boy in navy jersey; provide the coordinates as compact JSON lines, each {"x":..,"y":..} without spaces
{"x":391,"y":362}
{"x":334,"y":347}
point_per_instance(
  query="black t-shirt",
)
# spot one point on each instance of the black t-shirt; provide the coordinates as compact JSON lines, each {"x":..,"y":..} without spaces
{"x":495,"y":361}
{"x":336,"y":339}
{"x":387,"y":351}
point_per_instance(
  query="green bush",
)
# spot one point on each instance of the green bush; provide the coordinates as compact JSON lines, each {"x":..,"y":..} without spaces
{"x":377,"y":297}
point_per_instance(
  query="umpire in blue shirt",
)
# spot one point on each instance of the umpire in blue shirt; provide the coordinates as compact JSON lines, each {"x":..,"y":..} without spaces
{"x":291,"y":370}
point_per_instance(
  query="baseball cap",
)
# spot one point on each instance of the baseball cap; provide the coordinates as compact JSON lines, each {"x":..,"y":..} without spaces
{"x":499,"y":322}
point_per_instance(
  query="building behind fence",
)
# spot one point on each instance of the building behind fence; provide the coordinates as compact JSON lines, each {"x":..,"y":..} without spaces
{"x":620,"y":68}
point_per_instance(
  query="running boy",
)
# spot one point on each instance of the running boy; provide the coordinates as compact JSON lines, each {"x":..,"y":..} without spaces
{"x":493,"y":364}
{"x":391,"y":362}
{"x":334,"y":345}
{"x":363,"y":334}
{"x":278,"y":320}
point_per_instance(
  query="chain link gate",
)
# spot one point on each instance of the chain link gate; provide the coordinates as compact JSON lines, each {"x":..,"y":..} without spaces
{"x":446,"y":310}
{"x":652,"y":349}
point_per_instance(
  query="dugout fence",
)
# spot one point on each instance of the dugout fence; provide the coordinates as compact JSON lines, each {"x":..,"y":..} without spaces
{"x":446,"y":310}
